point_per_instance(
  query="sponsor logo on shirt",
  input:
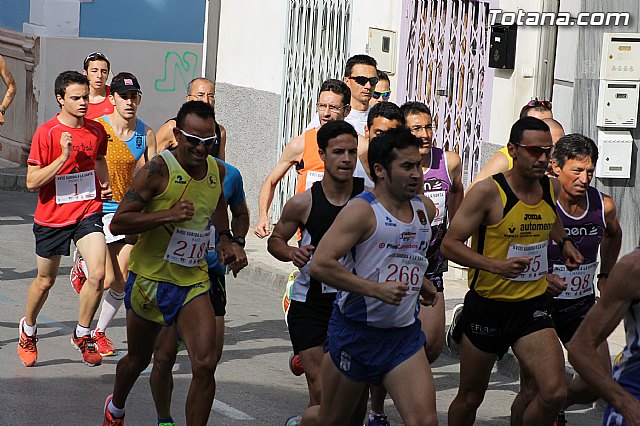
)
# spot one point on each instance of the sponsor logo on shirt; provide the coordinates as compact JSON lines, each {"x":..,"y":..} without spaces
{"x":180,"y":180}
{"x":389,"y":222}
{"x":407,"y":235}
{"x":582,"y":230}
{"x":422,"y":216}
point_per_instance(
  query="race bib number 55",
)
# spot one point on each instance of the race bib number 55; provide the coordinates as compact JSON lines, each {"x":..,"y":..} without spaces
{"x":404,"y":267}
{"x":538,"y":265}
{"x":187,"y":247}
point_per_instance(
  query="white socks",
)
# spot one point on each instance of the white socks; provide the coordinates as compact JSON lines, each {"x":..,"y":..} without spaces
{"x":110,"y":305}
{"x":82,"y":331}
{"x":29,"y":330}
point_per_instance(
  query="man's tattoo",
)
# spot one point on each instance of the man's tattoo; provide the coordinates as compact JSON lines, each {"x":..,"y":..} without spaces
{"x":154,"y":169}
{"x":132,"y":195}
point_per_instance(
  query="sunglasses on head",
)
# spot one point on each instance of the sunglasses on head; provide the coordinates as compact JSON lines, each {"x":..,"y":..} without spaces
{"x":197,"y":140}
{"x":385,"y":95}
{"x":535,"y":151}
{"x":95,"y":56}
{"x":535,"y":103}
{"x":362,"y":80}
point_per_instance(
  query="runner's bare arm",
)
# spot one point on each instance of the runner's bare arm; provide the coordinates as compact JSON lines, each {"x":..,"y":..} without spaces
{"x":611,"y":241}
{"x":150,"y":181}
{"x":354,"y":224}
{"x":291,"y":155}
{"x":457,"y":189}
{"x":164,"y":136}
{"x":295,"y":213}
{"x":220,"y":219}
{"x":102,"y":172}
{"x":223,"y":142}
{"x":38,"y":176}
{"x":499,"y":163}
{"x":150,"y":148}
{"x":623,"y":287}
{"x":475,"y":210}
{"x":9,"y":81}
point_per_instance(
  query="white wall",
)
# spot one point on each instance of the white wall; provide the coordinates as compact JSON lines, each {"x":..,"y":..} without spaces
{"x":383,"y":14}
{"x":510,"y":89}
{"x":251,"y":45}
{"x":161,"y":98}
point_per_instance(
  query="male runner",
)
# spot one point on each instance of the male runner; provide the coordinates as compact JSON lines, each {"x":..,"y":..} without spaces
{"x":373,"y":334}
{"x":96,"y":67}
{"x":511,"y":217}
{"x":171,"y":202}
{"x":618,"y":300}
{"x":313,"y":212}
{"x":8,"y":81}
{"x":382,"y":92}
{"x":302,"y":151}
{"x":589,"y":217}
{"x":131,"y":144}
{"x":442,"y":172}
{"x":67,"y":165}
{"x":198,"y":89}
{"x":361,"y":75}
{"x":164,"y":355}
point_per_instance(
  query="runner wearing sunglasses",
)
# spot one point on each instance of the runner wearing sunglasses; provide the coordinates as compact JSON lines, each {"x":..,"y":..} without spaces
{"x":382,"y":93}
{"x":96,"y":67}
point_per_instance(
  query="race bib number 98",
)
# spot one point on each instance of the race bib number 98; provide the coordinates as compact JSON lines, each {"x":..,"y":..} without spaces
{"x":579,"y":281}
{"x":404,"y":267}
{"x":537,"y":267}
{"x":75,"y":187}
{"x":187,"y":247}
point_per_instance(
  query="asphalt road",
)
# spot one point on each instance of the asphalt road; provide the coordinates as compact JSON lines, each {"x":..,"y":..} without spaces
{"x":254,"y":384}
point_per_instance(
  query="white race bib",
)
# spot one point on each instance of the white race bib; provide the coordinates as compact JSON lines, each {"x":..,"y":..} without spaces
{"x":312,"y":176}
{"x":328,"y":289}
{"x":579,"y":281}
{"x":537,"y":267}
{"x":404,"y":267}
{"x":187,"y":247}
{"x":439,"y":199}
{"x":75,"y":187}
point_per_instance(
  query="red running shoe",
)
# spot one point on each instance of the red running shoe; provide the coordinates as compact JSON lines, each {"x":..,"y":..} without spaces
{"x":295,"y":364}
{"x":77,"y":275}
{"x":86,"y":345}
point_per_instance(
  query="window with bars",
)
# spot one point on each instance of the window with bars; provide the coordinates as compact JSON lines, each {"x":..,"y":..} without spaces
{"x":317,"y":45}
{"x":442,"y":63}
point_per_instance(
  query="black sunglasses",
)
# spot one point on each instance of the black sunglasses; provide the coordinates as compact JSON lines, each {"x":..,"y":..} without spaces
{"x":536,"y":151}
{"x":362,"y":80}
{"x":197,"y":140}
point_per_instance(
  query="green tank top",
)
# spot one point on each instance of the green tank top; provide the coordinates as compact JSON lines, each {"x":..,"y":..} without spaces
{"x":176,"y":252}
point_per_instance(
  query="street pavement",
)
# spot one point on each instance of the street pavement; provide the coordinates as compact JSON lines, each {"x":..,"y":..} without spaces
{"x":254,"y":384}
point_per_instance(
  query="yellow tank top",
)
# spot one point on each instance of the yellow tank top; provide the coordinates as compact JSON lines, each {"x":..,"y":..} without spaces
{"x":505,"y":151}
{"x":523,"y":231}
{"x":148,"y":255}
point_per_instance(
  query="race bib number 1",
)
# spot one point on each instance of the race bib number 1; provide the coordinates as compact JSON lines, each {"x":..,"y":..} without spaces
{"x":75,"y":187}
{"x":187,"y":247}
{"x":579,"y":281}
{"x":439,"y":200}
{"x":404,"y":267}
{"x":537,"y":267}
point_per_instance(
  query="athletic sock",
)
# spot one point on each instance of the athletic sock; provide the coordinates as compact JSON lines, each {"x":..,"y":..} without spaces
{"x":110,"y":305}
{"x":29,"y":330}
{"x":82,"y":331}
{"x":167,"y":420}
{"x":117,"y":412}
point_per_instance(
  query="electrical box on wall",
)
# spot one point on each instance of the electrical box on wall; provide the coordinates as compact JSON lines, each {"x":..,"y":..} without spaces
{"x":614,"y":154}
{"x":618,"y":104}
{"x":620,"y":56}
{"x":382,"y":46}
{"x":502,"y":46}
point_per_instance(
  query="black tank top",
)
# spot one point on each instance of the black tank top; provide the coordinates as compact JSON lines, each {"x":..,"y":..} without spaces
{"x":321,"y":217}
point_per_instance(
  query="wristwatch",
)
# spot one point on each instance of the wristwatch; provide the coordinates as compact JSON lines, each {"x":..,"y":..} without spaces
{"x":2,"y":110}
{"x":239,"y":241}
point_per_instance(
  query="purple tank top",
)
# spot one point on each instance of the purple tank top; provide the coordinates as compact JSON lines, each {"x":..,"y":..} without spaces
{"x":587,"y":232}
{"x":437,"y":186}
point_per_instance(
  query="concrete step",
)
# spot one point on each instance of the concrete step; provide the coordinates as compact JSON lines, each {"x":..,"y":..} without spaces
{"x":13,"y":177}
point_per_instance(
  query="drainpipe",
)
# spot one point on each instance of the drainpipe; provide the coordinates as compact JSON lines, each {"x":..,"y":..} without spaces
{"x":546,"y":54}
{"x":211,"y":36}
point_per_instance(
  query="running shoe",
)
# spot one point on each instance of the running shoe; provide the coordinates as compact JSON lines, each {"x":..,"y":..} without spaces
{"x":293,"y":421}
{"x":110,"y":419}
{"x":167,"y":424}
{"x":77,"y":275}
{"x":451,"y":342}
{"x":27,"y":349}
{"x":86,"y":345}
{"x":295,"y":364}
{"x":378,"y":420}
{"x":105,"y":347}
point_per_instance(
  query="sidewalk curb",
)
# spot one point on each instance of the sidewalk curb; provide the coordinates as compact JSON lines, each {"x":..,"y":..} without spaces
{"x":13,"y":180}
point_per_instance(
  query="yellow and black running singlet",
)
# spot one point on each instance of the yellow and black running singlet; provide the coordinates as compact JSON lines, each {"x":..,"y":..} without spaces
{"x":523,"y":231}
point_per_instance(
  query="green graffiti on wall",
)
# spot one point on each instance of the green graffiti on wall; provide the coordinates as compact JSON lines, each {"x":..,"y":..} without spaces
{"x":175,"y":66}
